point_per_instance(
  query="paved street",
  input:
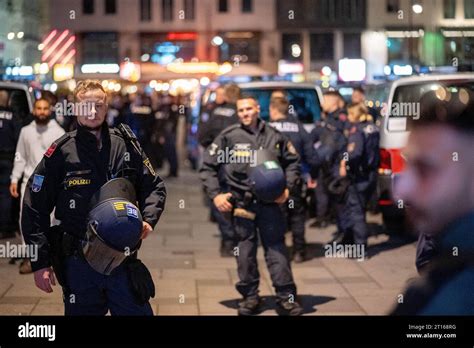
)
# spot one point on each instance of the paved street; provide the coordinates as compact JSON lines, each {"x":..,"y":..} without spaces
{"x":191,"y":278}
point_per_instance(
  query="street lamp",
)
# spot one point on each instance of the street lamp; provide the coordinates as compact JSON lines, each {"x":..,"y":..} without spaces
{"x":417,"y":8}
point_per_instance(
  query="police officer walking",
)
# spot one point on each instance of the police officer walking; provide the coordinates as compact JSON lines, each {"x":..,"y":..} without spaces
{"x":256,"y":187}
{"x":359,"y":165}
{"x":295,"y":208}
{"x":96,"y":267}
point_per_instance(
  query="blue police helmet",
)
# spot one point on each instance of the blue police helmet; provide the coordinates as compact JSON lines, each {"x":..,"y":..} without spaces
{"x":266,"y":177}
{"x":114,"y":215}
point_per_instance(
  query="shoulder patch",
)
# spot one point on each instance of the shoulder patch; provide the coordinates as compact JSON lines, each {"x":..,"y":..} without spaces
{"x":51,"y":150}
{"x":37,"y":183}
{"x":57,"y":143}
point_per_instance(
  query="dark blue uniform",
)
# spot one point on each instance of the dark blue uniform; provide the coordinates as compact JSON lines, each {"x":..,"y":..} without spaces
{"x":362,"y":164}
{"x":294,"y":209}
{"x":214,"y":120}
{"x":328,"y":141}
{"x":268,"y":219}
{"x":67,"y":177}
{"x":9,"y":133}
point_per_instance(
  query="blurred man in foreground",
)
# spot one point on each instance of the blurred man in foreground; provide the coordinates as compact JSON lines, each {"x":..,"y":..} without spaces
{"x":438,"y":189}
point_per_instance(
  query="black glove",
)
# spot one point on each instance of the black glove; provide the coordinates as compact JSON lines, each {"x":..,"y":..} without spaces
{"x":141,"y":282}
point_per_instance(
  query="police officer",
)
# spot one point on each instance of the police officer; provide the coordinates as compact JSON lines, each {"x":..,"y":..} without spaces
{"x":10,"y":126}
{"x":295,"y":207}
{"x":222,"y":114}
{"x":437,"y":187}
{"x":328,"y":140}
{"x":359,"y":165}
{"x":250,"y":213}
{"x":358,"y":96}
{"x":72,"y":170}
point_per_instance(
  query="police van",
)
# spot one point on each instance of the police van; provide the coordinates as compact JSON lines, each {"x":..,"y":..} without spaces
{"x":399,"y":109}
{"x":304,"y":98}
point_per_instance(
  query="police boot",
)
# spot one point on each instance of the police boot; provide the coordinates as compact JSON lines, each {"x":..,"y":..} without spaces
{"x":249,"y":306}
{"x":288,"y":308}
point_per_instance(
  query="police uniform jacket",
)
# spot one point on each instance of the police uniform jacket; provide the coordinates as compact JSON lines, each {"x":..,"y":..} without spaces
{"x":71,"y":171}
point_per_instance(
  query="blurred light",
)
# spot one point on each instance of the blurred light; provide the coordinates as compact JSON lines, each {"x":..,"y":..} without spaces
{"x":117,"y":87}
{"x":53,"y":88}
{"x":159,"y":87}
{"x":105,"y":83}
{"x":100,"y":68}
{"x":463,"y":96}
{"x":130,"y":71}
{"x":387,"y":70}
{"x":295,"y":50}
{"x":11,"y":36}
{"x":370,"y":104}
{"x":326,"y":70}
{"x":166,"y":86}
{"x":205,"y":81}
{"x":20,"y":35}
{"x":130,"y":89}
{"x":352,"y":69}
{"x":224,"y":69}
{"x":402,"y":70}
{"x":145,"y":57}
{"x":217,"y":41}
{"x":152,"y":83}
{"x":40,"y":47}
{"x":63,"y":72}
{"x":325,"y":84}
{"x":285,"y":68}
{"x":377,"y":103}
{"x":417,"y":8}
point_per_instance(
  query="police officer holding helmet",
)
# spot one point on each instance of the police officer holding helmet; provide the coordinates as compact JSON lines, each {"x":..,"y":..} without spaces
{"x":91,"y":177}
{"x":262,"y":169}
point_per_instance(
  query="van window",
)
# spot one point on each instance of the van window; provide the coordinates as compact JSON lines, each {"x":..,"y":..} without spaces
{"x":305,"y":102}
{"x":405,"y":106}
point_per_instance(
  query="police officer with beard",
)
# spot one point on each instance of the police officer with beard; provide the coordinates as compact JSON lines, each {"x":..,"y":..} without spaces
{"x":71,"y":172}
{"x":250,"y":212}
{"x":295,"y":207}
{"x":359,"y":165}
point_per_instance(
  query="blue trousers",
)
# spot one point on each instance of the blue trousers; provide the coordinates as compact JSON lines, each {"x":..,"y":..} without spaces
{"x":270,"y":226}
{"x":91,"y":293}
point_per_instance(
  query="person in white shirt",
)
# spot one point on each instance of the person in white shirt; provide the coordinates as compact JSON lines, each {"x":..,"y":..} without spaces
{"x":33,"y":142}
